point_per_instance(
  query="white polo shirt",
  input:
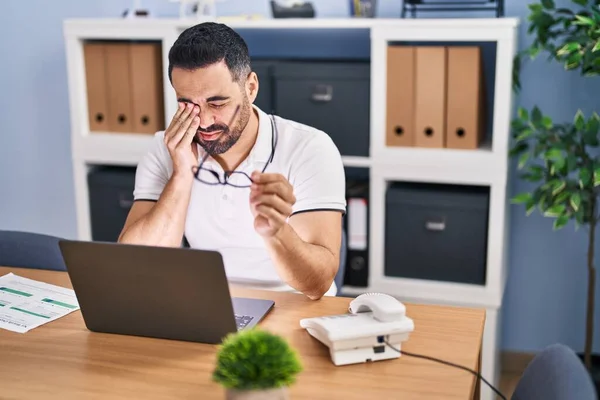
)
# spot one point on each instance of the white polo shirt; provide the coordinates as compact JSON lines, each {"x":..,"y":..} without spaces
{"x":219,"y":216}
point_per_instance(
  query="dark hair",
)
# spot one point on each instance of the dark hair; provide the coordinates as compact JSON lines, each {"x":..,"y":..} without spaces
{"x":209,"y":43}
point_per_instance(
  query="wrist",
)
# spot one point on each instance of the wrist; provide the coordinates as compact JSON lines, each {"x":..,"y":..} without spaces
{"x":279,"y":237}
{"x":182,"y":182}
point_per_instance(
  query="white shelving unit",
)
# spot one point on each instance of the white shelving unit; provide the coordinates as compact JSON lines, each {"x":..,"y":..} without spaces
{"x":485,"y":166}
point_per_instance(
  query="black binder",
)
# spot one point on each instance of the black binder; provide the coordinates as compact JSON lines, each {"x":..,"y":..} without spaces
{"x":356,"y":224}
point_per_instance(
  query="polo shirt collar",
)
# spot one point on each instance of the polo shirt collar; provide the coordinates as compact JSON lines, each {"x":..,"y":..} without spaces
{"x":263,"y":146}
{"x":261,"y":152}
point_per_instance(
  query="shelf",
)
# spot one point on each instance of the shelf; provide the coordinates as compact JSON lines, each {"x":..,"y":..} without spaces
{"x":112,"y":148}
{"x":128,"y":148}
{"x":480,"y":167}
{"x":431,"y":291}
{"x":353,"y":161}
{"x":128,"y":29}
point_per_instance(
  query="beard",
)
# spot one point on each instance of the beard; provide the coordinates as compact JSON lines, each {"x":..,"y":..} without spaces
{"x":229,"y":134}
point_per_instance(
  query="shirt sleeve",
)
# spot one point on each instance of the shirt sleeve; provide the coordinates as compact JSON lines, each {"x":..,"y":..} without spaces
{"x":318,"y":176}
{"x":153,"y":171}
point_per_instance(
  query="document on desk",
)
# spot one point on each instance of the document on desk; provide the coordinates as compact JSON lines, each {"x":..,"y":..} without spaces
{"x":26,"y":304}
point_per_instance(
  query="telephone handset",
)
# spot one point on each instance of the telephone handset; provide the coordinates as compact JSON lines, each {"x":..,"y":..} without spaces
{"x":384,"y":307}
{"x":373,"y":320}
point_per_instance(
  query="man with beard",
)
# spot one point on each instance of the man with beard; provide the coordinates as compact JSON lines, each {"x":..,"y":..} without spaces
{"x":266,"y":192}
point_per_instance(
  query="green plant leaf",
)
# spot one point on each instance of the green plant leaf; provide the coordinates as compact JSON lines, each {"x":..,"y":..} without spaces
{"x":548,"y":4}
{"x":561,"y":198}
{"x":568,"y":48}
{"x":585,"y":21}
{"x":579,"y":120}
{"x":597,"y":177}
{"x":547,"y":122}
{"x":523,"y":160}
{"x":536,"y":116}
{"x":585,"y":177}
{"x":525,"y":133}
{"x":575,"y":201}
{"x":535,"y":7}
{"x":523,"y":114}
{"x":522,"y":198}
{"x":559,"y":187}
{"x":580,"y":2}
{"x":571,"y":162}
{"x":555,"y":210}
{"x":530,"y":207}
{"x":593,"y":124}
{"x":518,"y":149}
{"x":596,"y":46}
{"x":553,"y":154}
{"x":560,"y":222}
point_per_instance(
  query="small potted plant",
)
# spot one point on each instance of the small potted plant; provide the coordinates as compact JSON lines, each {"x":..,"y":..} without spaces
{"x":255,"y":364}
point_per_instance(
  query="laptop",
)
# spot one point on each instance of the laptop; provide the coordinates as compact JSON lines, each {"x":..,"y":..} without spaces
{"x":160,"y":292}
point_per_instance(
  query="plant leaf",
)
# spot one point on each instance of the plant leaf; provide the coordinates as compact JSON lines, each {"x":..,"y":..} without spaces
{"x":547,"y":122}
{"x":527,"y":132}
{"x":559,"y":187}
{"x":585,"y":177}
{"x":523,"y":114}
{"x":583,"y":20}
{"x":597,"y":177}
{"x":579,"y":120}
{"x":560,"y":222}
{"x":548,"y":4}
{"x":575,"y":201}
{"x":555,"y":210}
{"x":596,"y":46}
{"x":568,"y":48}
{"x":536,"y":116}
{"x":553,"y":154}
{"x":523,"y":160}
{"x":522,"y":198}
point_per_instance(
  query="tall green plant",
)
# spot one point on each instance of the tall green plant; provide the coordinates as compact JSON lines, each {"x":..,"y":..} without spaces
{"x":560,"y":159}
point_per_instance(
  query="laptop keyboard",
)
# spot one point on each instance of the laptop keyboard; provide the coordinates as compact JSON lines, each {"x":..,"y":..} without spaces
{"x":242,"y":320}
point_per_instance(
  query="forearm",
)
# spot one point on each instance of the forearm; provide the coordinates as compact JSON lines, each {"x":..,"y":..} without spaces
{"x":306,"y":267}
{"x":164,"y":224}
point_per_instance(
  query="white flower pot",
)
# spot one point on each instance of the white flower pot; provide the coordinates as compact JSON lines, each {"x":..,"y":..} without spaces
{"x":263,"y":394}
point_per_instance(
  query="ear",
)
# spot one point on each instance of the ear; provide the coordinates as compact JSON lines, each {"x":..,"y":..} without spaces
{"x":251,"y":86}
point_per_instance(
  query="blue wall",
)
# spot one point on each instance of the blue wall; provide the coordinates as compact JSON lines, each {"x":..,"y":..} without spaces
{"x":545,"y":297}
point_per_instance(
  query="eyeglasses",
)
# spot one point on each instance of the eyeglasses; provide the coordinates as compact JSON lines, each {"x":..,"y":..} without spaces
{"x":238,"y":179}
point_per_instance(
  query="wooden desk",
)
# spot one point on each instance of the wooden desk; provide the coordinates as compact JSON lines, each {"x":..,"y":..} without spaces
{"x":63,"y":360}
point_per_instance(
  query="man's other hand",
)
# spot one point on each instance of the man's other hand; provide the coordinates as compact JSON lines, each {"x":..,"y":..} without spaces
{"x":271,"y":201}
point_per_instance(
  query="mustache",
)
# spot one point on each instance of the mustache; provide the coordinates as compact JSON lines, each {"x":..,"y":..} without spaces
{"x":220,"y":127}
{"x":214,"y":128}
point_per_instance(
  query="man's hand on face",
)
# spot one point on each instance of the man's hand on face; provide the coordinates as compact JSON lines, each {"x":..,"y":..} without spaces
{"x":179,"y":136}
{"x":271,"y":201}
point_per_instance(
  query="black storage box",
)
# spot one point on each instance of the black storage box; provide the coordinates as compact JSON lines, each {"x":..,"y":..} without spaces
{"x":332,"y":96}
{"x":436,"y":232}
{"x":111,"y":198}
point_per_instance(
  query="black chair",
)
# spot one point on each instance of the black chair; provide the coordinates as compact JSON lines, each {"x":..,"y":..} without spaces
{"x":556,"y":373}
{"x":30,"y":250}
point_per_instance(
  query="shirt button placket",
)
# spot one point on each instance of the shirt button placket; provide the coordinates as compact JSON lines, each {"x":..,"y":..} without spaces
{"x":227,"y":202}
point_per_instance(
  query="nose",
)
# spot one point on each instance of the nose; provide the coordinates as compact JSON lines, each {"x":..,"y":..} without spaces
{"x":206,"y":118}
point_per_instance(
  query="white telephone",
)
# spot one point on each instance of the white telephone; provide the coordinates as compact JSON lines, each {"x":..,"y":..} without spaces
{"x":374,"y":319}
